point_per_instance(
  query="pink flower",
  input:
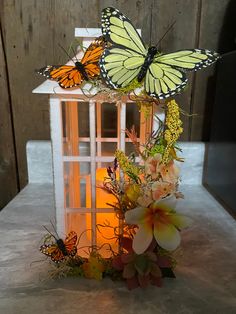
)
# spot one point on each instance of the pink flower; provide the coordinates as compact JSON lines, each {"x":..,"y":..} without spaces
{"x":161,"y":189}
{"x":152,"y":166}
{"x":169,"y":172}
{"x":159,"y":220}
{"x":155,"y":168}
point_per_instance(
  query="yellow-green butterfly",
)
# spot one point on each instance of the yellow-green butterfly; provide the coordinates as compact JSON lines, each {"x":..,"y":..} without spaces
{"x":128,"y":58}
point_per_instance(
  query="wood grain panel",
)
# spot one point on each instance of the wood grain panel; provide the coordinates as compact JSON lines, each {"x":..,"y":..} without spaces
{"x":28,"y":28}
{"x":68,"y":16}
{"x":183,"y":35}
{"x":211,"y":23}
{"x":32,"y":30}
{"x":139,"y":12}
{"x":8,"y":169}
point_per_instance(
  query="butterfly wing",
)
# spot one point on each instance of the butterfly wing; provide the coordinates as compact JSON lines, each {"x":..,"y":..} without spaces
{"x":189,"y":59}
{"x":163,"y":81}
{"x":67,"y":76}
{"x":166,"y":75}
{"x":118,"y":29}
{"x":120,"y":63}
{"x":53,"y":251}
{"x":91,"y":57}
{"x":70,"y":243}
{"x":119,"y":67}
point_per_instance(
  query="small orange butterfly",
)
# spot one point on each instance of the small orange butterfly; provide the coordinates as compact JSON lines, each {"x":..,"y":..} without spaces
{"x":87,"y":68}
{"x":60,"y":249}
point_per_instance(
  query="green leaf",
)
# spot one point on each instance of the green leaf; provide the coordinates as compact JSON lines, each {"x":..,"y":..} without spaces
{"x":142,"y":264}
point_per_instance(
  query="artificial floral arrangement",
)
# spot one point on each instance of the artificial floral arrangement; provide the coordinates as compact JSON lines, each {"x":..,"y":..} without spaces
{"x":145,"y":193}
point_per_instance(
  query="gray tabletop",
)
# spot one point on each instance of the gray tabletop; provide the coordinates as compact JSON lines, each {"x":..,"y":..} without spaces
{"x":206,"y":272}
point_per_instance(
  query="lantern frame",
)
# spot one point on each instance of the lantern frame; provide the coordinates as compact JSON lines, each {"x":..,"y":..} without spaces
{"x":57,"y":96}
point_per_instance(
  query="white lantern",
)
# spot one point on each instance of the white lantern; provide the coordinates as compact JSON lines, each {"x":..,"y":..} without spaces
{"x":85,"y":132}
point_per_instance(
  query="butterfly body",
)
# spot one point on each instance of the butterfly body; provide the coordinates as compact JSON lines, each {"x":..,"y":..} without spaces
{"x":152,"y":51}
{"x":127,"y":58}
{"x":81,"y":68}
{"x":60,"y":249}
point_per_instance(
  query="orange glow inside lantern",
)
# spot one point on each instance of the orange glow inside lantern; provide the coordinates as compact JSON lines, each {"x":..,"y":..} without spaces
{"x":86,"y":203}
{"x":105,"y":221}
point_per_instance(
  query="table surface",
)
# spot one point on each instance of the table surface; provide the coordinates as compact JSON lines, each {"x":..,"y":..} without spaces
{"x":206,"y":272}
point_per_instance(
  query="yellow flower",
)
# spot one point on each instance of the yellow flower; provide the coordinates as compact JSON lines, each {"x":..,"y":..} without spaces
{"x":93,"y":268}
{"x":126,"y":166}
{"x":173,"y":128}
{"x":133,"y":192}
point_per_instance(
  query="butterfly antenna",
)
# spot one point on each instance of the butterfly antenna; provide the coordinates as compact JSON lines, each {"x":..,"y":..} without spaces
{"x":72,"y":48}
{"x":66,"y":52}
{"x":49,"y":232}
{"x":53,"y":227}
{"x":167,"y":31}
{"x":150,"y":35}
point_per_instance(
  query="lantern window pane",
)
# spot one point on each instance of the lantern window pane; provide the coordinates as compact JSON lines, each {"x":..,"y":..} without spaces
{"x":75,"y":125}
{"x":81,"y":224}
{"x":103,"y":198}
{"x":133,"y":117}
{"x":108,"y":148}
{"x":108,"y":120}
{"x":76,"y":184}
{"x":107,"y":233}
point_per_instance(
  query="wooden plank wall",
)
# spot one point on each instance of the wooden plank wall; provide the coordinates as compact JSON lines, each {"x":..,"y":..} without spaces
{"x":9,"y":184}
{"x":31,"y":31}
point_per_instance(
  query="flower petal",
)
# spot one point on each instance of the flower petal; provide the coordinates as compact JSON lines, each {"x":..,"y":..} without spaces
{"x":181,"y":221}
{"x":135,"y":216}
{"x":167,"y":204}
{"x":142,"y":239}
{"x":170,"y":172}
{"x":167,"y":236}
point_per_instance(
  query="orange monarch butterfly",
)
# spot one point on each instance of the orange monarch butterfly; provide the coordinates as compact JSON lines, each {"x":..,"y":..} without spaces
{"x":60,"y":249}
{"x":87,"y":68}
